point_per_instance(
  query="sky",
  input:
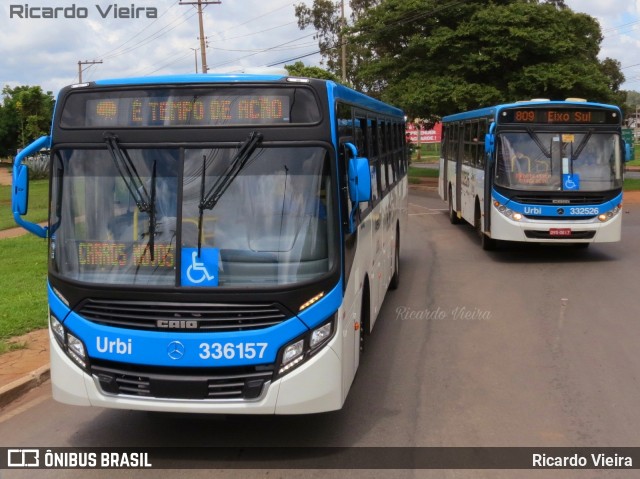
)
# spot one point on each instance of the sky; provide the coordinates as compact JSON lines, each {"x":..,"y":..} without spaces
{"x":242,"y":35}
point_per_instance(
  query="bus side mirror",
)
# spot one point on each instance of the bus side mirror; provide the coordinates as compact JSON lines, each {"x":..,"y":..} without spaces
{"x":489,"y":143}
{"x":359,"y":180}
{"x":20,"y":196}
{"x":20,"y":187}
{"x":628,"y":152}
{"x":359,"y":176}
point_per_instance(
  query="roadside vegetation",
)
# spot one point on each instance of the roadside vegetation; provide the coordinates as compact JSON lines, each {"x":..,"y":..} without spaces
{"x":38,"y":200}
{"x":24,"y":307}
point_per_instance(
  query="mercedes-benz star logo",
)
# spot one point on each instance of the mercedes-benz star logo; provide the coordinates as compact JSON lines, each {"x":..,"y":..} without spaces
{"x":175,"y":350}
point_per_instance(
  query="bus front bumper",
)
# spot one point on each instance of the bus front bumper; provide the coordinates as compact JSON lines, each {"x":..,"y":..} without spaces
{"x":315,"y":386}
{"x":561,"y":231}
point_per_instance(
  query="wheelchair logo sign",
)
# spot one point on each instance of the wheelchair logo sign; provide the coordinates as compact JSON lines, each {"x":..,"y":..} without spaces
{"x":570,"y":182}
{"x":199,"y":270}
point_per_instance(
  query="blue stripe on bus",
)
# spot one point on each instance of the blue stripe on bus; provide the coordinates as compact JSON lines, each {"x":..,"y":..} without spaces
{"x":552,"y":210}
{"x":150,"y":347}
{"x":325,"y":307}
{"x":154,"y":348}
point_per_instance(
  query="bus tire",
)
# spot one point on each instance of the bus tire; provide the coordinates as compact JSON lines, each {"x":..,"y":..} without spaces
{"x":487,"y":243}
{"x":453,"y":215}
{"x":395,"y":279}
{"x":364,"y":314}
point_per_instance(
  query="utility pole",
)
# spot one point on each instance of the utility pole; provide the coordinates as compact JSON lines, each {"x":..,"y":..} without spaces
{"x":203,"y":49}
{"x":344,"y":48}
{"x":80,"y":69}
{"x":195,"y":56}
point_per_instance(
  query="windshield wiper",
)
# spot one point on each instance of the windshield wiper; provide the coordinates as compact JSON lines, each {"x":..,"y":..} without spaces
{"x":209,"y":200}
{"x":576,"y":153}
{"x":543,"y":149}
{"x":126,"y":168}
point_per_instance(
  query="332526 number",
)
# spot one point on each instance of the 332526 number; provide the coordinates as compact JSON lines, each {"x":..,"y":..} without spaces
{"x":232,"y":351}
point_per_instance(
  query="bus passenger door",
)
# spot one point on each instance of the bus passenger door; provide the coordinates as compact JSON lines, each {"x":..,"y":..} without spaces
{"x":359,"y":243}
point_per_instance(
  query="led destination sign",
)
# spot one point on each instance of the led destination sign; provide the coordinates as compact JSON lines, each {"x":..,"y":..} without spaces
{"x":189,"y":107}
{"x":124,"y":255}
{"x":177,"y":111}
{"x":559,"y":116}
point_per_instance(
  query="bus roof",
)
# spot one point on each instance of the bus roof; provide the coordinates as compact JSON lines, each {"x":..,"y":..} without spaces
{"x":493,"y":111}
{"x":191,"y":78}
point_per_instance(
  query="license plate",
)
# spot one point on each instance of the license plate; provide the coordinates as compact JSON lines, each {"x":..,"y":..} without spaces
{"x":560,"y":232}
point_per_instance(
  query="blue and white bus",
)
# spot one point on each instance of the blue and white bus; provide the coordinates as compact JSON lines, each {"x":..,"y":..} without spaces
{"x":536,"y":171}
{"x":217,"y":243}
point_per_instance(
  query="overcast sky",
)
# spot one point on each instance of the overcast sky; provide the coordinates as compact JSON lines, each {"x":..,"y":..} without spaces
{"x":241,"y":34}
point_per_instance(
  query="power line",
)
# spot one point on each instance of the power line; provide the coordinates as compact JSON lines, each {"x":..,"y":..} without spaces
{"x":262,"y":51}
{"x":288,"y":4}
{"x":151,"y":37}
{"x":258,"y":32}
{"x":110,"y":52}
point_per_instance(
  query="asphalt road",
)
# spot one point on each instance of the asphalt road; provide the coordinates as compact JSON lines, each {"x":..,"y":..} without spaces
{"x":526,"y":346}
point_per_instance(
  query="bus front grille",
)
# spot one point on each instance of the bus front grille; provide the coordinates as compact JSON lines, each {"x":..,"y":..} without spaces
{"x":559,"y":200}
{"x":191,"y":317}
{"x":241,"y":383}
{"x":536,"y":234}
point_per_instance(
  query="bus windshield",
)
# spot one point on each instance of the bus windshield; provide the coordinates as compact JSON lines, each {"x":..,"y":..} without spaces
{"x":539,"y":160}
{"x":128,"y":221}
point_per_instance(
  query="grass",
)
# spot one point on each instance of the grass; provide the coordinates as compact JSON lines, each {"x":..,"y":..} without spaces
{"x":24,"y":274}
{"x":636,"y":156}
{"x":423,"y":172}
{"x":38,"y":204}
{"x":631,"y":184}
{"x":429,"y":153}
{"x":8,"y":346}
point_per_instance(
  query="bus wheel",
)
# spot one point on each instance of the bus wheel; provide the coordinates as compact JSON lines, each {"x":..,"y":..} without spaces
{"x":453,"y":216}
{"x":487,"y":243}
{"x":364,"y":315}
{"x":395,"y":279}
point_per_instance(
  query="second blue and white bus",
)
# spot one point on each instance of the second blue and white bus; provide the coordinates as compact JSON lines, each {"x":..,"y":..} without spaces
{"x":217,"y":243}
{"x":537,"y":171}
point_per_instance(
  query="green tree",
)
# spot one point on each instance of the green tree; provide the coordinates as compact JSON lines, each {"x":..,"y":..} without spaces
{"x":326,"y":17}
{"x":299,"y":69}
{"x":25,"y":114}
{"x":433,"y":58}
{"x":632,"y":105}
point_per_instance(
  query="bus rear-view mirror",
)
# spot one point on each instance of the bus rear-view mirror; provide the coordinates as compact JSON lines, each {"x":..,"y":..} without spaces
{"x":489,"y":143}
{"x":359,"y":180}
{"x":20,"y":195}
{"x":628,"y":156}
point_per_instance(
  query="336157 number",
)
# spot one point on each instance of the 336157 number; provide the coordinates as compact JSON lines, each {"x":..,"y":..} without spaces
{"x":232,"y":351}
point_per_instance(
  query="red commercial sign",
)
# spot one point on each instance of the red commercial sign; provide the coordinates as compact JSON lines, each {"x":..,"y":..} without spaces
{"x":434,"y":135}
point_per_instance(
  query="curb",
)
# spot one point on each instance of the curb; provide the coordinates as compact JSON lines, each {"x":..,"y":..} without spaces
{"x":17,"y":388}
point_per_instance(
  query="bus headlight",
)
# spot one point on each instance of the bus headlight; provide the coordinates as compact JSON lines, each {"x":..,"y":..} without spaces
{"x":292,"y":354}
{"x":507,"y":212}
{"x":304,"y":347}
{"x":609,"y":214}
{"x":72,"y":346}
{"x":319,"y":335}
{"x":76,"y":350}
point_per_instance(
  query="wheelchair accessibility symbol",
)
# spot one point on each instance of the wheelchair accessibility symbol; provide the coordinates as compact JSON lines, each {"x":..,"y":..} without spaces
{"x":199,"y":270}
{"x":570,"y":182}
